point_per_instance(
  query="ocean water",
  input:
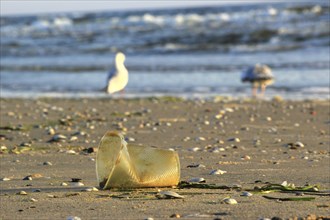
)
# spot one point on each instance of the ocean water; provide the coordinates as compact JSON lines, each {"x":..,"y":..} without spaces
{"x":189,"y":52}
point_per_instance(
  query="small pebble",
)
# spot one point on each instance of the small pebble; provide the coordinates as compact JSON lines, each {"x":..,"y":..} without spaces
{"x":5,"y":179}
{"x":63,"y":184}
{"x":33,"y":200}
{"x":47,"y":163}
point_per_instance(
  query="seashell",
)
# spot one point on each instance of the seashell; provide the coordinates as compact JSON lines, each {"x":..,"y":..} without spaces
{"x":299,"y":144}
{"x":196,"y":166}
{"x":50,"y":131}
{"x":168,"y":124}
{"x":57,"y":138}
{"x":73,"y":218}
{"x":194,"y":149}
{"x":218,"y":116}
{"x":5,"y":179}
{"x":90,"y":189}
{"x":295,"y":145}
{"x":197,"y":180}
{"x":237,"y":186}
{"x":25,"y":144}
{"x":175,"y":215}
{"x":200,"y":139}
{"x":217,"y":172}
{"x":234,"y":139}
{"x":245,"y":193}
{"x":79,"y":133}
{"x":186,"y":139}
{"x":170,"y":195}
{"x":22,"y":193}
{"x":27,"y":178}
{"x":64,"y":184}
{"x":229,"y":110}
{"x":71,"y":152}
{"x":130,"y":139}
{"x":76,"y":184}
{"x":73,"y":138}
{"x":246,"y":157}
{"x":33,"y":200}
{"x":230,"y":201}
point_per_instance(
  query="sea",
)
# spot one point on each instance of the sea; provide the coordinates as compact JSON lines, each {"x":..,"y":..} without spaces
{"x":189,"y":52}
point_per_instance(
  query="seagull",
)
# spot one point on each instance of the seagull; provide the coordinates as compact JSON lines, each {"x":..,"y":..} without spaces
{"x":118,"y":75}
{"x":259,"y":76}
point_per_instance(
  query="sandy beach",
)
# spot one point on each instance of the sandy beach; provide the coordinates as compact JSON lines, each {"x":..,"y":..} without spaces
{"x":256,"y":142}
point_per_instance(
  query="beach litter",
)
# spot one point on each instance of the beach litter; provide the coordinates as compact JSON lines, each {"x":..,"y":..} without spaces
{"x":122,"y":165}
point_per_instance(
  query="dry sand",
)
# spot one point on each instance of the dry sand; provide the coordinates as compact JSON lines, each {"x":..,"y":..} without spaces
{"x":201,"y":132}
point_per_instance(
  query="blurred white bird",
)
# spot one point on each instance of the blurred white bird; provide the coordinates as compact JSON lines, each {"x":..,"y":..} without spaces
{"x":259,"y":76}
{"x":118,"y":75}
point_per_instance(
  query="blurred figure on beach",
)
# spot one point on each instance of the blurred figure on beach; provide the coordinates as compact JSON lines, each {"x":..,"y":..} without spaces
{"x":118,"y":75}
{"x":260,"y":76}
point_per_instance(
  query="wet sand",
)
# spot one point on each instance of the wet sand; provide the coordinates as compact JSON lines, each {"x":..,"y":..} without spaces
{"x":249,"y":139}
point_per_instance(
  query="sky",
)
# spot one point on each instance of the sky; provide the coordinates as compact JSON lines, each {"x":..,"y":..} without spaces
{"x":19,"y":7}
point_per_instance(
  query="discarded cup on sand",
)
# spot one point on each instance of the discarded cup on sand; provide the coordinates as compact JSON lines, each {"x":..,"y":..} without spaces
{"x":122,"y":165}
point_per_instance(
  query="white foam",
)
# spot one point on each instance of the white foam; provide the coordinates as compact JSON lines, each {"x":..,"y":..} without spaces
{"x":62,"y":21}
